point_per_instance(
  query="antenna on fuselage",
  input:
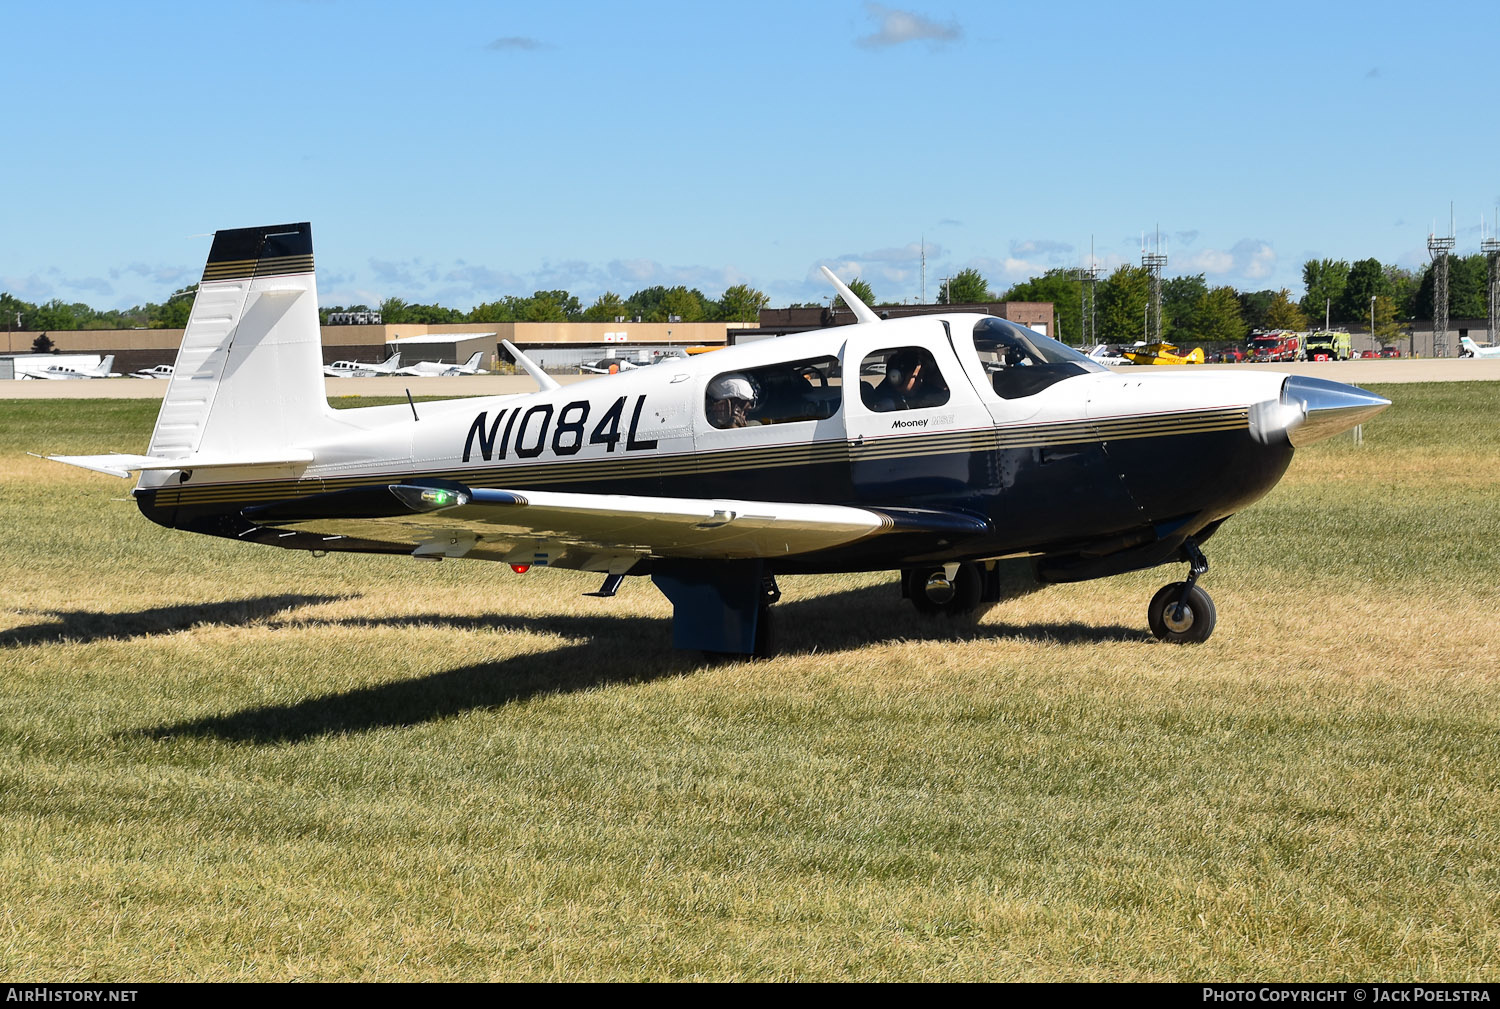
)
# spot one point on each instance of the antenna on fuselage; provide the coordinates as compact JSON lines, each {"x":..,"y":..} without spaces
{"x":859,"y":308}
{"x":546,"y":381}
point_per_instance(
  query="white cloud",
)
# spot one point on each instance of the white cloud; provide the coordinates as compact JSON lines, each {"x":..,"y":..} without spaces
{"x":1247,"y":259}
{"x":895,"y":27}
{"x":516,"y":43}
{"x":1053,"y":252}
{"x":1210,"y":262}
{"x":29,"y":288}
{"x":96,"y":285}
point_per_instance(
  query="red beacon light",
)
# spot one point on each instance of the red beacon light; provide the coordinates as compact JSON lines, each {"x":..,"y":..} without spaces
{"x":520,"y":569}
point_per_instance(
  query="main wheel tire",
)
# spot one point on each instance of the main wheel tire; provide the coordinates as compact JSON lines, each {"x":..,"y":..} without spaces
{"x":933,"y":594}
{"x":1192,"y":625}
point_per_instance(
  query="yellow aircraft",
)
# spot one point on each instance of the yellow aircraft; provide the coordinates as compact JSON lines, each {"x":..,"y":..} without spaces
{"x":1162,"y":353}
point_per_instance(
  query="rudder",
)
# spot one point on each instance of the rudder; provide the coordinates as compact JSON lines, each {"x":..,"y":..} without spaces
{"x":248,"y":377}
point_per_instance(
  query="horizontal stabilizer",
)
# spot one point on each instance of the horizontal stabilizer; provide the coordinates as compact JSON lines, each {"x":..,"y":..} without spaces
{"x":122,"y":465}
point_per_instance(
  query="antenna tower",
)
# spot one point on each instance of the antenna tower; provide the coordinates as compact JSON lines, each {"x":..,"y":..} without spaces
{"x":1088,"y":281}
{"x":1153,"y":263}
{"x":1491,"y":249}
{"x":1438,"y":249}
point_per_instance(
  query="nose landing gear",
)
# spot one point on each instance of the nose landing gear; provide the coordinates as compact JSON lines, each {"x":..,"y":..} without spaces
{"x":1181,"y":612}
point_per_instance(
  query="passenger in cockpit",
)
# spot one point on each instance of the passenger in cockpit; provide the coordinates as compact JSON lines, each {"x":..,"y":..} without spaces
{"x":911,"y":381}
{"x":730,"y":398}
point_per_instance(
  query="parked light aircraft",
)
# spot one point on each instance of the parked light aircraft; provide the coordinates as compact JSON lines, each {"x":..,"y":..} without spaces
{"x":1162,"y":353}
{"x":1108,"y":354}
{"x":933,"y":445}
{"x":609,"y":366}
{"x":359,"y":369}
{"x":1472,"y":349}
{"x":431,"y":369}
{"x":69,"y":373}
{"x":160,"y":371}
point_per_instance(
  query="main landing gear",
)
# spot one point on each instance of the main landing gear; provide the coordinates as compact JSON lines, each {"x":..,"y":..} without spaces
{"x":1181,"y":612}
{"x":946,"y":590}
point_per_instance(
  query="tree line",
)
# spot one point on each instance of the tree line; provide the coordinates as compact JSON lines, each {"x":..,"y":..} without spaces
{"x":740,"y":303}
{"x":57,"y":314}
{"x":1338,"y":293}
{"x":1342,"y":292}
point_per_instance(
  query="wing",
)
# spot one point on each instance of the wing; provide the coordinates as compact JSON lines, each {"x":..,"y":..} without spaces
{"x":593,"y":532}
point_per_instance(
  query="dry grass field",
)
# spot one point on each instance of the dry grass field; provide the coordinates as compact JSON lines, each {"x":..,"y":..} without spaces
{"x":226,"y":762}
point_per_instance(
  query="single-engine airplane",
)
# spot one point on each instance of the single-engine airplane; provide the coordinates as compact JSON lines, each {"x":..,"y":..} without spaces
{"x":933,"y":445}
{"x":353,"y":369}
{"x":1476,"y":350}
{"x":1162,"y":353}
{"x":434,"y":369}
{"x":72,"y":373}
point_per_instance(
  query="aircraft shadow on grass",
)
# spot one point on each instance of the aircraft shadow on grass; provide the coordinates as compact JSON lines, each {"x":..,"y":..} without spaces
{"x":612,"y":650}
{"x":85,"y":626}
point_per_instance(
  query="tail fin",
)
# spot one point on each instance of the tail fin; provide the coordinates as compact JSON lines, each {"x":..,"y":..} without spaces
{"x":473,"y":362}
{"x":393,"y":362}
{"x":106,"y":365}
{"x":248,"y":380}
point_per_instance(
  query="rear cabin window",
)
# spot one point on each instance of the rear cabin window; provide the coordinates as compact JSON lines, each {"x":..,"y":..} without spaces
{"x":774,"y":394}
{"x":903,"y":378}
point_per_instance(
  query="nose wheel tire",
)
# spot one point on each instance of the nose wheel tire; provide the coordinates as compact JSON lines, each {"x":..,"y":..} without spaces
{"x":1181,"y":620}
{"x":933,"y":593}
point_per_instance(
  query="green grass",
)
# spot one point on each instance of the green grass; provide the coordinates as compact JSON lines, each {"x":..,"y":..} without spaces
{"x":220,"y":761}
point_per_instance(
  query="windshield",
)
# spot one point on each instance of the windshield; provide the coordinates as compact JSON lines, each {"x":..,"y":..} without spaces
{"x":1021,"y":361}
{"x":1000,"y":341}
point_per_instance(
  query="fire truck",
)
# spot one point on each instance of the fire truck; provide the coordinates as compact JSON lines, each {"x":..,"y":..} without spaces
{"x":1327,"y":347}
{"x":1273,"y":347}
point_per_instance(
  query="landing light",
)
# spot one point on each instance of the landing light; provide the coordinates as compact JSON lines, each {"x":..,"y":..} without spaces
{"x":427,"y":499}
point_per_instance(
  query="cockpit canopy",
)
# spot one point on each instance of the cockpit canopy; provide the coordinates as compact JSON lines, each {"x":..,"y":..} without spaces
{"x":1022,"y":362}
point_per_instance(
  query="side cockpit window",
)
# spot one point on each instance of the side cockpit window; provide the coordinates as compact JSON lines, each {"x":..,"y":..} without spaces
{"x":903,"y":378}
{"x":1021,"y":362}
{"x":773,"y":394}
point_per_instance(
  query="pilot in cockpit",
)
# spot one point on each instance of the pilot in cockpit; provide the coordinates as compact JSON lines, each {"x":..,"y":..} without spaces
{"x":1013,"y":354}
{"x":730,"y":399}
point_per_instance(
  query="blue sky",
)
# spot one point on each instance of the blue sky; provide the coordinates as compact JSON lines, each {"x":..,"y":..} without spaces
{"x":455,"y":152}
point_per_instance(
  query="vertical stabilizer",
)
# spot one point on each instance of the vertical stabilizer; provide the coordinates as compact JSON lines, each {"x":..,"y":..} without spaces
{"x":248,"y":378}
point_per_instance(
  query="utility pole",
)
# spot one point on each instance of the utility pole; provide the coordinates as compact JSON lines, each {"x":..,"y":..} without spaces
{"x":924,"y":269}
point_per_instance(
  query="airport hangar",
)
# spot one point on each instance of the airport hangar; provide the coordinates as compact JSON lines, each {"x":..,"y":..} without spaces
{"x":558,"y":345}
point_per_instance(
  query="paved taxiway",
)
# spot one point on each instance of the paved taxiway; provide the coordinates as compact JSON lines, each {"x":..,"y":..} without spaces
{"x":1362,"y":372}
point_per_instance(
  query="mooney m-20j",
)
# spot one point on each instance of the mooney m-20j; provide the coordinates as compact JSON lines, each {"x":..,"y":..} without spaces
{"x":933,"y":445}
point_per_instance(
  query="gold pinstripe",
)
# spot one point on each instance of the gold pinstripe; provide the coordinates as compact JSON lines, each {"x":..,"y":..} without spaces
{"x":240,"y":269}
{"x":901,"y":446}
